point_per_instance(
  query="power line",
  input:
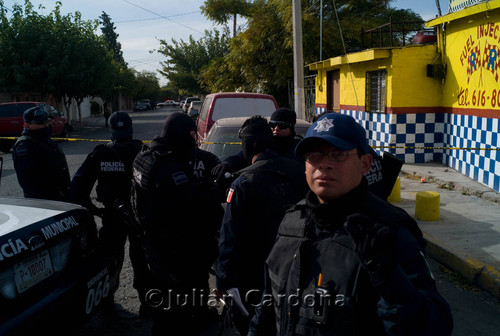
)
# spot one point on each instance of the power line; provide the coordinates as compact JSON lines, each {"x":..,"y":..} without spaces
{"x":156,"y":18}
{"x":162,"y":16}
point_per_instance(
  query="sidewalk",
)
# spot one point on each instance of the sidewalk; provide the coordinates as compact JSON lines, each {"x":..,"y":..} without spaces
{"x":466,"y":238}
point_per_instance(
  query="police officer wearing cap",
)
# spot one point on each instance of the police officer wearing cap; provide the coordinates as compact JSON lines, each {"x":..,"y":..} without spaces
{"x":110,"y":166}
{"x":179,"y":214}
{"x":40,"y":164}
{"x":347,"y":262}
{"x":284,"y":140}
{"x":256,"y":203}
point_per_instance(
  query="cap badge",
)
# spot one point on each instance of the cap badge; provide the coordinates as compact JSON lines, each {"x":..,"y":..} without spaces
{"x":323,"y":125}
{"x":120,"y":124}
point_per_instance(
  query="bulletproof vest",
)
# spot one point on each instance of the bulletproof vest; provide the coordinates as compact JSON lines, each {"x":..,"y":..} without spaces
{"x":142,"y":187}
{"x":286,"y":170}
{"x":115,"y":171}
{"x":306,"y":307}
{"x":162,"y":184}
{"x":164,"y":193}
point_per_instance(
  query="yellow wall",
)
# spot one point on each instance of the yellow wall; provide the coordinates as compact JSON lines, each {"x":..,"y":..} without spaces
{"x":407,"y":82}
{"x":470,"y":43}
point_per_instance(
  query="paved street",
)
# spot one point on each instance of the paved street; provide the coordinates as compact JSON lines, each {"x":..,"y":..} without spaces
{"x":467,"y":230}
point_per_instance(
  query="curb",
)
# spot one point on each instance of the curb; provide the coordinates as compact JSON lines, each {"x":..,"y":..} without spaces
{"x":485,"y":276}
{"x":489,"y":194}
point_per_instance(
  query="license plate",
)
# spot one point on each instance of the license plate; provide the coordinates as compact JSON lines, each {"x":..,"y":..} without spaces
{"x":33,"y":270}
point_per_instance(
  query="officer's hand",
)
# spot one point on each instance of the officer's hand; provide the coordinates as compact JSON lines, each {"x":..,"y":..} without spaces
{"x":375,"y":244}
{"x":219,"y":170}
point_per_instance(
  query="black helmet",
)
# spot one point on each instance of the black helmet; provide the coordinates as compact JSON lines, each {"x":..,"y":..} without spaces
{"x":35,"y":115}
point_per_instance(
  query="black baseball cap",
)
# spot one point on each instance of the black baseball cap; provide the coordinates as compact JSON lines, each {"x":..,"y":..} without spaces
{"x":120,"y":124}
{"x":35,"y":115}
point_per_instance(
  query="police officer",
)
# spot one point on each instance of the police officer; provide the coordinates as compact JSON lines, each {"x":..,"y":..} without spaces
{"x":41,"y":167}
{"x":256,"y":203}
{"x":179,"y":214}
{"x":282,"y":124}
{"x":284,"y":140}
{"x":110,"y":165}
{"x":347,"y":262}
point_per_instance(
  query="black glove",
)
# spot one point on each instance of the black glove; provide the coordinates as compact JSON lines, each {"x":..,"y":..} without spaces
{"x":375,"y":245}
{"x":219,"y":170}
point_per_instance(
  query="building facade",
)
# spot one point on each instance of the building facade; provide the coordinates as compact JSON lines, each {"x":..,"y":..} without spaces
{"x":437,"y":101}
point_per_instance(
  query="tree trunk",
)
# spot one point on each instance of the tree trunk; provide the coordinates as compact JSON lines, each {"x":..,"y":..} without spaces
{"x":234,"y":25}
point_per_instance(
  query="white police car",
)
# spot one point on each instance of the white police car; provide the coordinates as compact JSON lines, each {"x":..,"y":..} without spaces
{"x":53,"y":271}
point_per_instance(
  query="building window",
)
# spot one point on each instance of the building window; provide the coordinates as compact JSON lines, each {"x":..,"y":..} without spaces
{"x":375,"y":91}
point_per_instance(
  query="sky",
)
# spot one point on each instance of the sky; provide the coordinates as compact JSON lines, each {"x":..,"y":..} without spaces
{"x":140,"y":24}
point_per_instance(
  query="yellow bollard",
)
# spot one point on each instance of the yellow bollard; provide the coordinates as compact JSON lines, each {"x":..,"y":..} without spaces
{"x":427,"y":205}
{"x":395,"y":195}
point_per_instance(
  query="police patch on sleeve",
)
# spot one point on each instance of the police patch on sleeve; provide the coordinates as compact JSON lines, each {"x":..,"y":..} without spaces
{"x":179,"y":177}
{"x":230,"y":195}
{"x":22,"y":149}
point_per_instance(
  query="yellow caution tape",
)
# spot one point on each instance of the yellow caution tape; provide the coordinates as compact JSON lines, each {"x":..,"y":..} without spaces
{"x":239,"y":143}
{"x":72,"y":139}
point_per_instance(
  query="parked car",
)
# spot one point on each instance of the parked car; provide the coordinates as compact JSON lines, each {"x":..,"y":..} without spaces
{"x":232,"y":104}
{"x":53,"y":271}
{"x":167,"y":103}
{"x":141,"y":106}
{"x":187,"y":102}
{"x":223,"y":141}
{"x":196,"y":106}
{"x":11,"y":121}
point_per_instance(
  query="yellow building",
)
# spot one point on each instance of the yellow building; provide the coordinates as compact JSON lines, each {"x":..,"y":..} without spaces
{"x":428,"y":102}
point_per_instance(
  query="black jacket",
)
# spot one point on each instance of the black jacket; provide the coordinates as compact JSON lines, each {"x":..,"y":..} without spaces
{"x":256,"y":204}
{"x":110,"y":165}
{"x":312,"y":240}
{"x":179,"y":213}
{"x":41,"y":167}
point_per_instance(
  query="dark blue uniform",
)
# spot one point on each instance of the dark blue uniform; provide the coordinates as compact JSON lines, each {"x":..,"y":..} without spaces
{"x":179,"y":215}
{"x":256,"y":203}
{"x":110,"y":165}
{"x":351,"y":298}
{"x":41,"y":167}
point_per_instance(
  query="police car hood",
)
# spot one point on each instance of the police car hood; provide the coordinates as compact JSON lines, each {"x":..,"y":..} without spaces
{"x":17,"y":213}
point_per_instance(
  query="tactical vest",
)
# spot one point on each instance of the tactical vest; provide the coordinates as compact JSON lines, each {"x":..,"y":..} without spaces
{"x":115,"y":166}
{"x":164,"y":194}
{"x":302,"y":305}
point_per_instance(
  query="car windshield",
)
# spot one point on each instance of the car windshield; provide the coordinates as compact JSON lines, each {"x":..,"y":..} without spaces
{"x":223,"y":142}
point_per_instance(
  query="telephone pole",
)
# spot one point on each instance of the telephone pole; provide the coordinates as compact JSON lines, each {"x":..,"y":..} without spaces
{"x":298,"y":61}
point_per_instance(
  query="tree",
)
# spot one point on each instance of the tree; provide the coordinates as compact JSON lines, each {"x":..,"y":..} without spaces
{"x":111,"y":37}
{"x":220,"y":11}
{"x":53,"y":54}
{"x":187,"y":60}
{"x":261,"y":56}
{"x":148,"y":85}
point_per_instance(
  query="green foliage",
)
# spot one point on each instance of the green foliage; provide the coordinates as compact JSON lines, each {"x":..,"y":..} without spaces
{"x":148,"y":86}
{"x":261,"y":56}
{"x":186,"y":61}
{"x":111,"y":37}
{"x":56,"y":54}
{"x":221,"y":11}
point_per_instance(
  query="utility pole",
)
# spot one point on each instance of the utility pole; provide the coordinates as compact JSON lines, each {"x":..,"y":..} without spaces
{"x":321,"y":30}
{"x":298,"y":61}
